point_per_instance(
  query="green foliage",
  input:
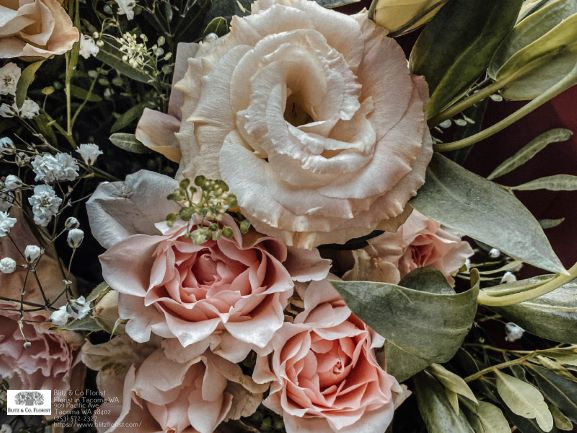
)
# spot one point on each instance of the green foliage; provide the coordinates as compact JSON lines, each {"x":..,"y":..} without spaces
{"x":26,"y":79}
{"x":472,"y":205}
{"x":558,"y":182}
{"x":129,"y":143}
{"x":456,"y":47}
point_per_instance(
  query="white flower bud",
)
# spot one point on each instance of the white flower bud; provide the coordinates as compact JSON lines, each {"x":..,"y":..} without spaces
{"x":7,"y":265}
{"x":32,"y":253}
{"x":509,"y":277}
{"x":12,"y":182}
{"x":60,"y":317}
{"x":71,"y":223}
{"x":513,"y":332}
{"x":75,"y":238}
{"x":494,"y":253}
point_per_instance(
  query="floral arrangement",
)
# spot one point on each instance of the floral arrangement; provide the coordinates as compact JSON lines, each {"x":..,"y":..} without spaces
{"x":235,"y":216}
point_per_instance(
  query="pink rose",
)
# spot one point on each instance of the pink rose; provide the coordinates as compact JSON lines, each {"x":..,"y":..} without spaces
{"x":35,"y":28}
{"x":228,"y":294}
{"x":419,"y":243}
{"x":324,"y":374}
{"x":167,"y":389}
{"x":49,"y":363}
{"x":311,"y":116}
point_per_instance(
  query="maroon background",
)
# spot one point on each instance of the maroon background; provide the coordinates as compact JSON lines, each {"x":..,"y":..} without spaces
{"x":558,"y":158}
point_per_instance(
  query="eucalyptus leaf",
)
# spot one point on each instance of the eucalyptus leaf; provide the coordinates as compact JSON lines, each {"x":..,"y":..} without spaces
{"x":558,"y":182}
{"x":427,"y":280}
{"x":525,"y":425}
{"x":485,"y":417}
{"x":540,"y":52}
{"x":552,"y":316}
{"x":561,"y":421}
{"x":452,"y":381}
{"x":474,"y":206}
{"x":26,"y":78}
{"x":456,"y":47}
{"x":126,"y":118}
{"x":561,"y":392}
{"x":420,"y":327}
{"x":129,"y":143}
{"x":524,"y":400}
{"x":435,"y":409}
{"x":530,"y":150}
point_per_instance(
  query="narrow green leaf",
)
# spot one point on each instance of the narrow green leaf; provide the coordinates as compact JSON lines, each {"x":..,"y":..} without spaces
{"x":524,"y":400}
{"x":98,"y":292}
{"x":129,"y":143}
{"x":457,"y":45}
{"x":87,"y":324}
{"x":561,"y":392}
{"x":330,"y":4}
{"x":530,"y":150}
{"x":126,"y":118}
{"x":218,"y":26}
{"x":27,"y":77}
{"x":420,"y":327}
{"x":80,"y":93}
{"x":558,"y":182}
{"x":551,"y":223}
{"x":435,"y":409}
{"x":474,"y":206}
{"x":552,"y":316}
{"x":561,"y":421}
{"x":452,"y":381}
{"x":487,"y":418}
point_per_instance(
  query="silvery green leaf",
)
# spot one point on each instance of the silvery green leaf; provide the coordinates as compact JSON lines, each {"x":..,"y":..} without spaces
{"x":551,"y":223}
{"x":452,"y":381}
{"x":530,"y":150}
{"x":129,"y":143}
{"x":476,"y":207}
{"x":117,"y":210}
{"x":487,"y":418}
{"x":558,"y":182}
{"x":562,"y":392}
{"x":561,"y":421}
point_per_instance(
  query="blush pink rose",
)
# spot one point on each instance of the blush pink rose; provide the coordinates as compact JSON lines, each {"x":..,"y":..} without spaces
{"x":35,"y":28}
{"x":419,"y":243}
{"x":51,"y":360}
{"x":323,"y":371}
{"x":311,"y":116}
{"x":166,"y":388}
{"x":228,"y":294}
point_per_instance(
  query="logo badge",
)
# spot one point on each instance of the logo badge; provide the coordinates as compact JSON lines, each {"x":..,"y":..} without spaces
{"x":29,"y":402}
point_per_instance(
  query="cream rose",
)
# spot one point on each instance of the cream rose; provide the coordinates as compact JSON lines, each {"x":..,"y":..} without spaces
{"x":311,"y":116}
{"x":35,"y":28}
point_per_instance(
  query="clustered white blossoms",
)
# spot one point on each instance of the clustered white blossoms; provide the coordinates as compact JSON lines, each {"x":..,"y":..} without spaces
{"x":88,"y":47}
{"x":7,"y":265}
{"x":6,"y":224}
{"x":54,"y":168}
{"x":9,"y":77}
{"x":75,"y":308}
{"x":126,"y":7}
{"x":45,"y":204}
{"x":89,"y":152}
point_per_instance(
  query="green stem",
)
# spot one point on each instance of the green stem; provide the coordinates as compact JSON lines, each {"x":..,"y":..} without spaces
{"x":567,"y":82}
{"x":502,"y":301}
{"x":495,"y":368}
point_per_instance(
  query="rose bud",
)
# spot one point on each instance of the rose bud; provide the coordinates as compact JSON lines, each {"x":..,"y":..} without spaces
{"x":105,"y":312}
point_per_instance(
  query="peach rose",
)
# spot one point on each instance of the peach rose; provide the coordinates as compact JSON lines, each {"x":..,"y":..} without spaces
{"x":324,"y":374}
{"x":228,"y":294}
{"x":167,"y":389}
{"x":50,"y":361}
{"x":35,"y":28}
{"x":419,"y":243}
{"x":311,"y":116}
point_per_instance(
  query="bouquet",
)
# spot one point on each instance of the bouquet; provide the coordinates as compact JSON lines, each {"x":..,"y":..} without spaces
{"x":254,"y":216}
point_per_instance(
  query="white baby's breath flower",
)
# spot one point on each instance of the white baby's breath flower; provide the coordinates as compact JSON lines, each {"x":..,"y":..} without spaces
{"x":32,"y":253}
{"x":60,"y":317}
{"x":8,"y":110}
{"x":5,"y":428}
{"x":29,"y":109}
{"x":7,"y":145}
{"x":75,"y":238}
{"x":88,"y":47}
{"x":508,"y":277}
{"x":9,"y":76}
{"x":45,"y":204}
{"x":71,"y":223}
{"x":513,"y":332}
{"x":78,"y":308}
{"x":494,"y":253}
{"x":89,"y":152}
{"x":12,"y":182}
{"x":126,"y":7}
{"x":54,"y":168}
{"x":6,"y":224}
{"x":7,"y":265}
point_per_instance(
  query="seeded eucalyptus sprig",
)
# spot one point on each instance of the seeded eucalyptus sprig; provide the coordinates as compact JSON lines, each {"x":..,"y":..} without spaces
{"x":202,"y":206}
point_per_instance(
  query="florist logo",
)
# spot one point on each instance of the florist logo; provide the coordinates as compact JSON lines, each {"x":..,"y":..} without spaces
{"x":29,"y":402}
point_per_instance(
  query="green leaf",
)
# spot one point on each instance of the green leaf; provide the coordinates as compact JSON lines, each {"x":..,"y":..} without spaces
{"x":524,"y":425}
{"x":217,"y":25}
{"x":190,"y":21}
{"x":112,"y":56}
{"x":552,"y":316}
{"x":98,"y":292}
{"x":524,"y":400}
{"x":427,"y":280}
{"x":435,"y":409}
{"x":129,"y":116}
{"x":27,"y":77}
{"x":476,"y":207}
{"x":558,"y":182}
{"x":87,"y":324}
{"x":561,"y":421}
{"x":551,"y":223}
{"x":330,"y":4}
{"x":420,"y":327}
{"x":540,"y":52}
{"x":530,"y":150}
{"x":129,"y":143}
{"x":80,"y":93}
{"x":452,"y":381}
{"x":487,"y":418}
{"x":457,"y":45}
{"x":561,"y":392}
